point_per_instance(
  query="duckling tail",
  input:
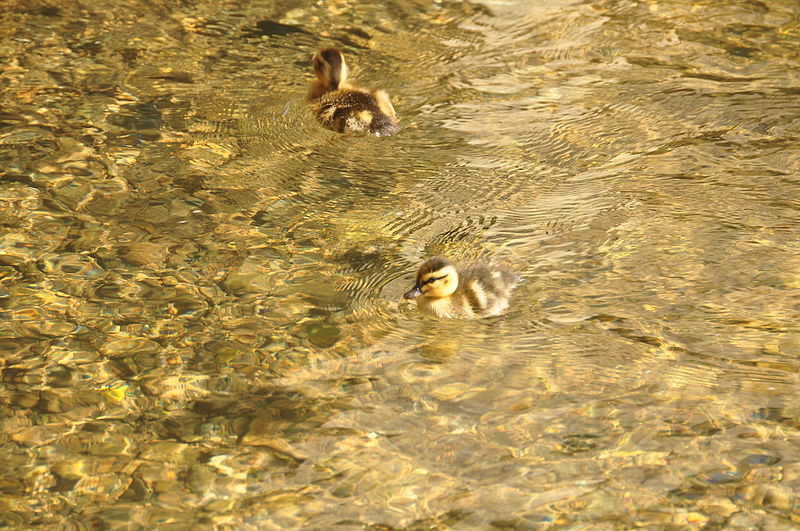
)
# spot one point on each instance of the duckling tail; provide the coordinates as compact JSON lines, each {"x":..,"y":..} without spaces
{"x":384,"y":103}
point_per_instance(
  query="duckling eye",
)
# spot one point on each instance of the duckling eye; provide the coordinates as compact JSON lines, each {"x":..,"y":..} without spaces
{"x":434,"y":279}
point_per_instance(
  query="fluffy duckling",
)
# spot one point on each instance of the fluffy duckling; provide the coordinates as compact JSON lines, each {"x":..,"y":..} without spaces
{"x":344,"y":108}
{"x":476,"y":289}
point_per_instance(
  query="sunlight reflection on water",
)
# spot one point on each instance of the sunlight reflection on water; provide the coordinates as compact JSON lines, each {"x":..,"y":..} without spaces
{"x":202,"y":286}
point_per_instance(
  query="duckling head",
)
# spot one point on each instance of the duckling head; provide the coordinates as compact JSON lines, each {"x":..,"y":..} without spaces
{"x":330,"y":68}
{"x":436,"y":279}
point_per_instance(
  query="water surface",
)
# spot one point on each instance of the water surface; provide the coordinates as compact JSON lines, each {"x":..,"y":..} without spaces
{"x":200,"y":288}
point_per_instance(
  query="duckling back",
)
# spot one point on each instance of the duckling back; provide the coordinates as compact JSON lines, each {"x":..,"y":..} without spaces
{"x":355,"y":111}
{"x":483,"y":290}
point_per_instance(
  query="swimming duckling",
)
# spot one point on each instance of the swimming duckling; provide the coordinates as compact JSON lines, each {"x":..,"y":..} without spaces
{"x":476,"y":289}
{"x":344,"y":108}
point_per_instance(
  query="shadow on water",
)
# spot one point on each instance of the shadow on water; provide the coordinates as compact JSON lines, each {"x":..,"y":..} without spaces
{"x":201,"y":289}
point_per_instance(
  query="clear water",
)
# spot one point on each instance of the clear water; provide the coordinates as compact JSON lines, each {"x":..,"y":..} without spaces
{"x":200,"y":288}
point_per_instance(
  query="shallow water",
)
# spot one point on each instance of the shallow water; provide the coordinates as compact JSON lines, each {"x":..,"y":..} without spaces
{"x":201,"y":288}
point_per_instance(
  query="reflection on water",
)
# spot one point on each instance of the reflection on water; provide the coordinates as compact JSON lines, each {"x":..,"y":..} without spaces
{"x":201,"y":286}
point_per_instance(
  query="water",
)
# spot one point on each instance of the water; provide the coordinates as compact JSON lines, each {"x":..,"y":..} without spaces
{"x":201,"y":288}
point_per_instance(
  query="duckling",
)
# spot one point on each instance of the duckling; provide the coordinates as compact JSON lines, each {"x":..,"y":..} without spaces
{"x":476,"y":289}
{"x":344,"y":108}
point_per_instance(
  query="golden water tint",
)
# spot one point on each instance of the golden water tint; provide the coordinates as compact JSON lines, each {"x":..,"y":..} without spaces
{"x":200,"y":287}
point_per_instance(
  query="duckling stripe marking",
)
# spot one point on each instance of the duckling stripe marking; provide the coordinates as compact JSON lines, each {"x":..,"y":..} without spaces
{"x":365,"y":116}
{"x":476,"y":296}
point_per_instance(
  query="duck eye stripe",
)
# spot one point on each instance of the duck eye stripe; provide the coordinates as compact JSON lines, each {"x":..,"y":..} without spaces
{"x":434,"y":279}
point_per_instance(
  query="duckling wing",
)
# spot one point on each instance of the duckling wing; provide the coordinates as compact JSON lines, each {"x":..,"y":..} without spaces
{"x":487,"y":288}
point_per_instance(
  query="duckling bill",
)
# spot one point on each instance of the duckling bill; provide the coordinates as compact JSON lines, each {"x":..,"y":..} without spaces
{"x":472,"y":290}
{"x":342,"y":107}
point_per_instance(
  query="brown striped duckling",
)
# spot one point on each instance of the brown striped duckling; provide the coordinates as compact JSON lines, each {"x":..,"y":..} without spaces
{"x":472,"y":290}
{"x":345,"y":108}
